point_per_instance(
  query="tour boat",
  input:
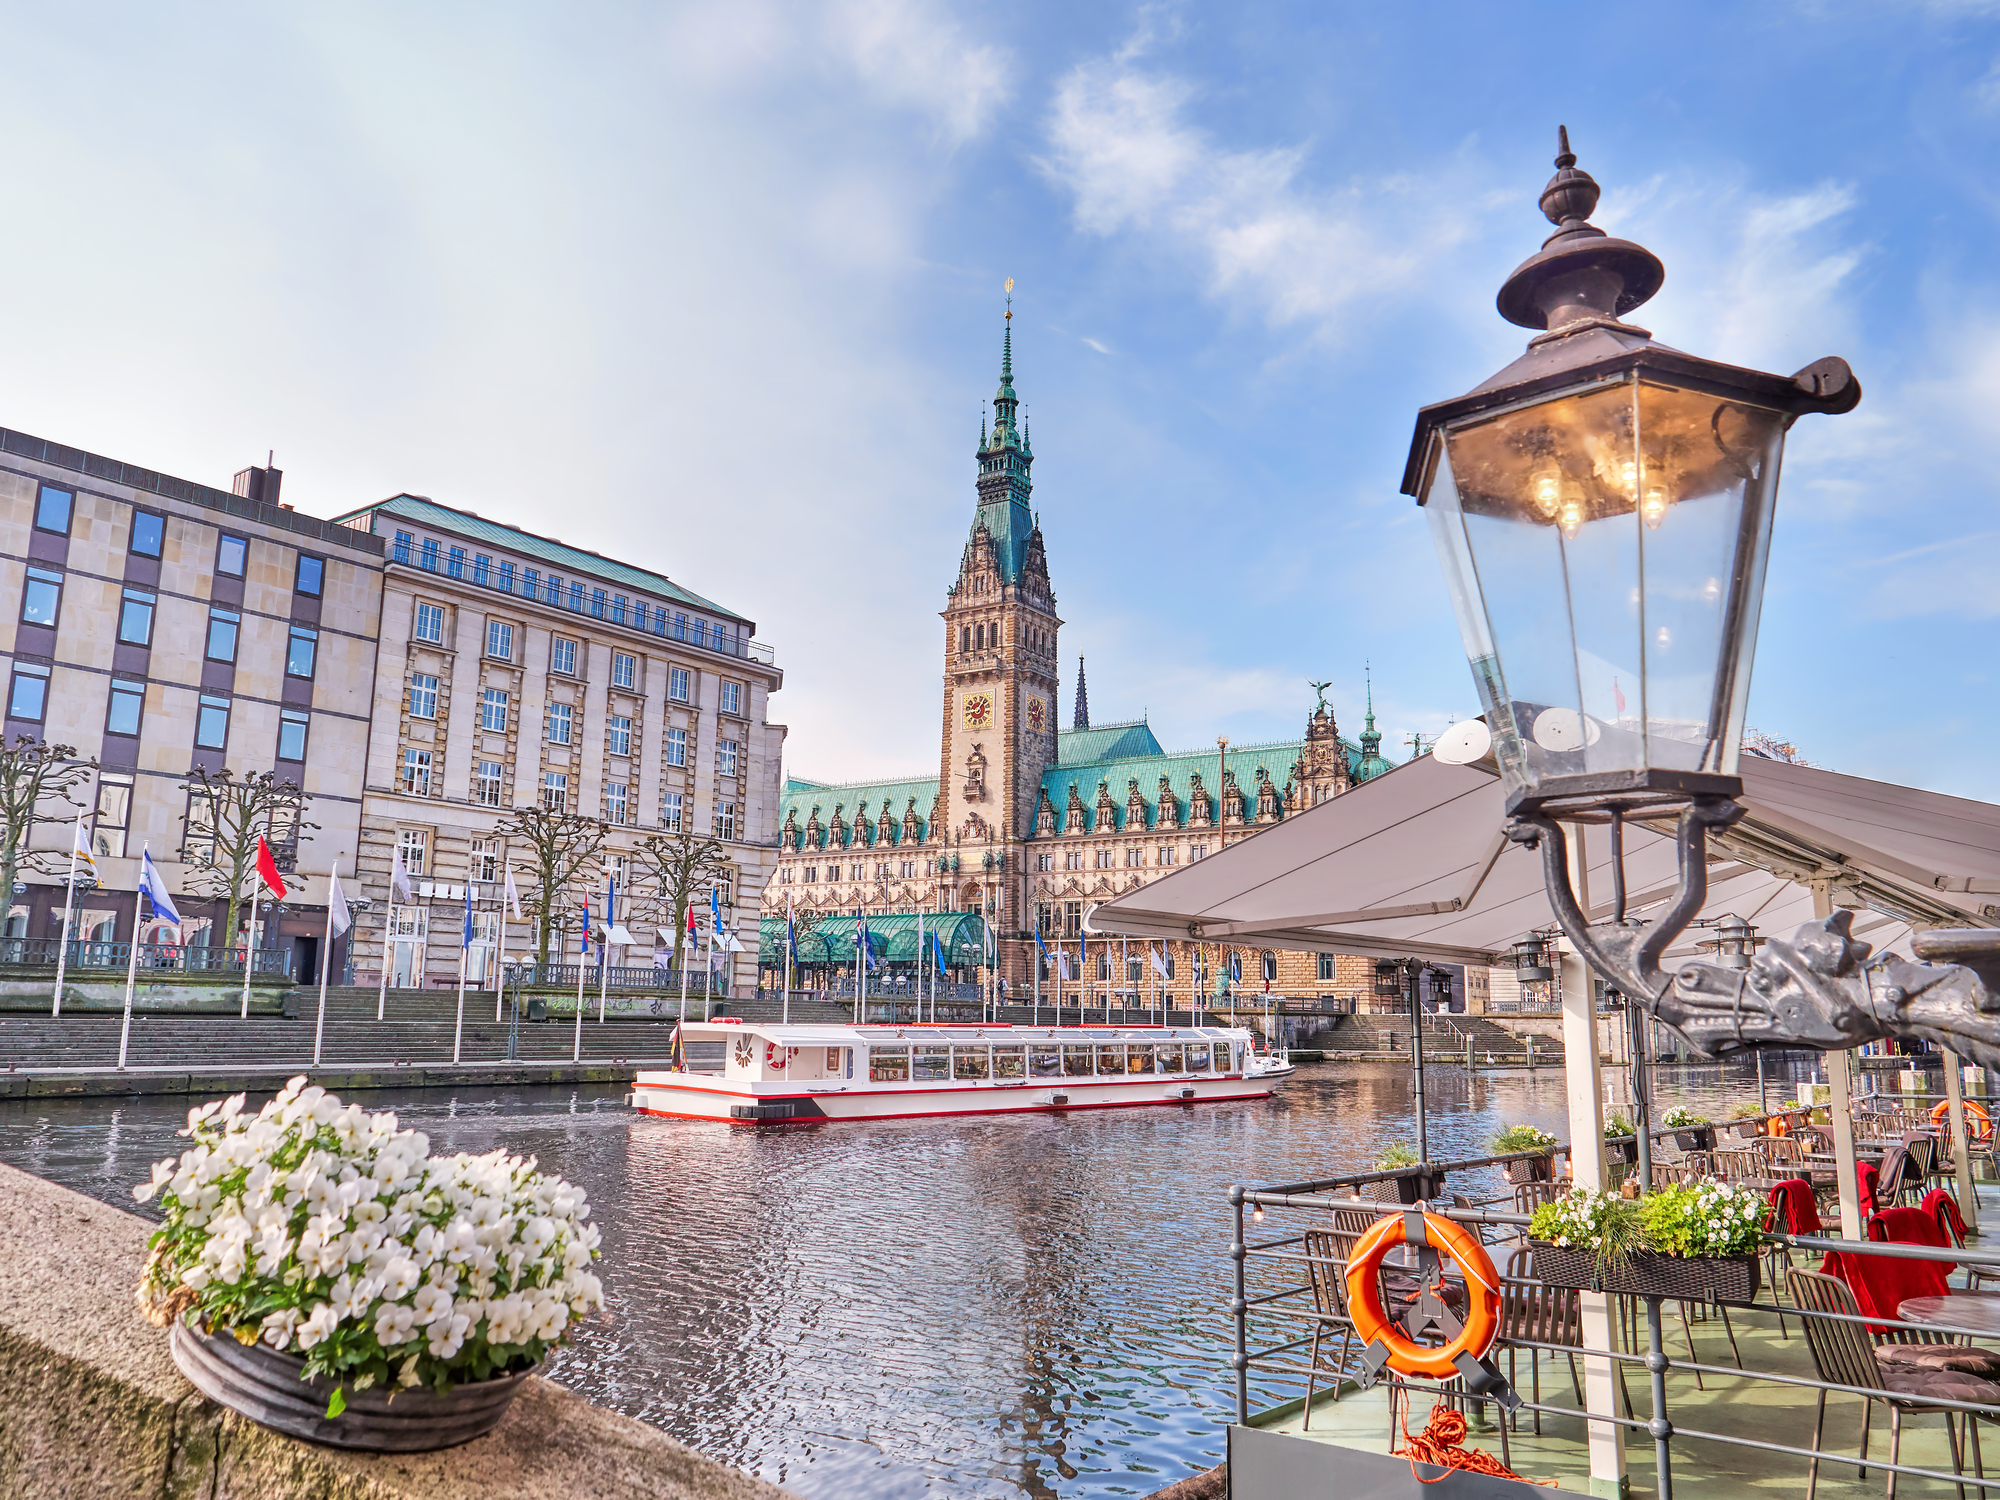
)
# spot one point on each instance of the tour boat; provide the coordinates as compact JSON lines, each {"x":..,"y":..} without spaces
{"x":748,"y":1072}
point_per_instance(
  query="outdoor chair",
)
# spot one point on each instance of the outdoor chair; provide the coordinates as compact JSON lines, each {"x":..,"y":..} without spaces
{"x":1920,"y":1149}
{"x":1781,"y":1151}
{"x":1326,"y":1272}
{"x":1731,"y":1166}
{"x":1533,"y":1313}
{"x":1843,"y":1354}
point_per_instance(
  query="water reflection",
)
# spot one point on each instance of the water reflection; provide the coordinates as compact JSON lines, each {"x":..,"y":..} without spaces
{"x":1028,"y":1307}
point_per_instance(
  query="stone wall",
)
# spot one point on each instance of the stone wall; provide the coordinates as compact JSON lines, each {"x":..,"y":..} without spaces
{"x":91,"y":1404}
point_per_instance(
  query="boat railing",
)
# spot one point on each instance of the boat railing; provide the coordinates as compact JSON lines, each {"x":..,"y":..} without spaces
{"x":1295,"y":1351}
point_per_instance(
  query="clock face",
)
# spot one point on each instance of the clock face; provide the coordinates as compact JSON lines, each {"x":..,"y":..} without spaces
{"x":978,"y":710}
{"x":1037,"y":713}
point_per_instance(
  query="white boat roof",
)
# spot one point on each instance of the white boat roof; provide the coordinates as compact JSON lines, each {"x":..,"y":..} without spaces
{"x":938,"y":1035}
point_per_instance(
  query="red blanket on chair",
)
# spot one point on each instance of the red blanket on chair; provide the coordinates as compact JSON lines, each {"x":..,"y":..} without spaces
{"x":1942,"y":1207}
{"x":1865,"y":1174}
{"x":1797,"y":1213}
{"x":1881,"y":1284}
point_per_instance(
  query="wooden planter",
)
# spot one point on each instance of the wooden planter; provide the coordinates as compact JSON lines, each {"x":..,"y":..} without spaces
{"x":1733,"y":1278}
{"x":1698,"y":1138}
{"x":264,"y":1385}
{"x":1626,"y":1150}
{"x":1531,"y":1169}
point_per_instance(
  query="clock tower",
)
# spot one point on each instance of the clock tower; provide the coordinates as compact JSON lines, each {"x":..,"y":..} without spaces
{"x":1000,"y":629}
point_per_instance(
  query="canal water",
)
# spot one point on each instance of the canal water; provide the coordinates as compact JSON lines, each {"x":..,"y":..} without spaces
{"x":1033,"y":1306}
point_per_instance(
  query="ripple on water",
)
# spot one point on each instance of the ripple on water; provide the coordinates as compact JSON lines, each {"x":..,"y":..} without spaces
{"x":982,"y":1308}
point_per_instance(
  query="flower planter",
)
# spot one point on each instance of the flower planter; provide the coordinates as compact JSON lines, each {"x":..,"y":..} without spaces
{"x":263,"y":1384}
{"x":1626,"y":1150}
{"x":1531,"y":1169}
{"x":1699,"y":1138}
{"x":1733,"y":1279}
{"x":1413,"y":1188}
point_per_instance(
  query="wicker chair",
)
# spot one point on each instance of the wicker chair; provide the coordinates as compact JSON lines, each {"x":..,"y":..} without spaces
{"x":1843,"y":1354}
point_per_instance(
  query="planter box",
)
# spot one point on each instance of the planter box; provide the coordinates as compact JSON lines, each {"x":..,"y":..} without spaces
{"x":1531,"y":1169}
{"x":1625,"y":1150}
{"x":1413,"y":1188}
{"x":1699,"y":1138}
{"x":1733,"y":1279}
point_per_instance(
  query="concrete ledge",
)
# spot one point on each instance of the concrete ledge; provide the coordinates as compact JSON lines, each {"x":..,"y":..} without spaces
{"x":101,"y":1083}
{"x":91,"y":1404}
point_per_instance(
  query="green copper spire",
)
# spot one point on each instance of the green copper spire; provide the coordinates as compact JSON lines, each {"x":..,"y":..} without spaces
{"x":1005,"y":462}
{"x":1372,"y":763}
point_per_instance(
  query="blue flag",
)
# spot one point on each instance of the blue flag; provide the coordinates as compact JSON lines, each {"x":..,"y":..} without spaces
{"x":468,"y":915}
{"x":791,"y":939}
{"x":586,"y":929}
{"x":1039,"y":943}
{"x":715,"y":907}
{"x":155,"y":890}
{"x":864,"y":945}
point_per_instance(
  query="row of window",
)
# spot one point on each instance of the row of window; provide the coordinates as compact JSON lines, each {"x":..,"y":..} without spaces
{"x":419,"y":767}
{"x":54,"y":509}
{"x":560,"y":725}
{"x":486,"y":858}
{"x":28,"y":700}
{"x":1108,"y":859}
{"x":580,"y":598}
{"x":562,"y":657}
{"x":41,"y":604}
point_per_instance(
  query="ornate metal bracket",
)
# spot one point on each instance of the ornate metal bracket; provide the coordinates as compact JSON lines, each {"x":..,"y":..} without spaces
{"x":1819,"y":989}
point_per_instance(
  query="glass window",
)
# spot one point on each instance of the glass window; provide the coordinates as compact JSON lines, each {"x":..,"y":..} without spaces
{"x":1197,"y":1057}
{"x":506,"y":577}
{"x":1172,"y":1058}
{"x":484,"y":863}
{"x":553,"y":590}
{"x":1076,"y":1062}
{"x":725,"y":820}
{"x":482,"y":569}
{"x":292,"y":726}
{"x":114,"y":816}
{"x":680,"y":627}
{"x":1007,"y":1062}
{"x":576,"y":595}
{"x":624,"y":669}
{"x":670,"y":812}
{"x":970,"y":1063}
{"x":454,"y":563}
{"x":42,"y":598}
{"x":1138,"y":1059}
{"x":597,"y":603}
{"x":562,"y":656}
{"x":618,"y":609}
{"x":500,"y":640}
{"x":531,"y":580}
{"x":555,"y":791}
{"x":128,"y":706}
{"x":725,"y":757}
{"x":423,"y":696}
{"x":430,"y":623}
{"x":149,"y":533}
{"x":430,"y":555}
{"x":615,"y":794}
{"x":732,"y":697}
{"x":302,"y":652}
{"x":888,"y":1064}
{"x":618,"y":735}
{"x":929,"y":1064}
{"x":222,"y":627}
{"x":232,"y":555}
{"x":1111,"y":1059}
{"x":559,"y":723}
{"x":493,"y":710}
{"x":678,"y":682}
{"x":677,"y":747}
{"x":135,"y":619}
{"x":1326,"y":966}
{"x":31,"y":692}
{"x":52,"y":508}
{"x":211,"y":722}
{"x":416,"y":846}
{"x":486,"y":789}
{"x":1044,"y":1062}
{"x":311,"y":575}
{"x":417,"y":772}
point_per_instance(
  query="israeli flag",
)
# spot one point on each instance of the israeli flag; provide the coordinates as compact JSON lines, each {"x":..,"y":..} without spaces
{"x":155,"y":889}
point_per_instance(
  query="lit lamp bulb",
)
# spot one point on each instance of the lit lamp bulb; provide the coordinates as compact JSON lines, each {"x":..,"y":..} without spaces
{"x":1546,"y":489}
{"x":1257,"y":1214}
{"x":1571,"y":520}
{"x":1653,"y":509}
{"x":1628,"y":475}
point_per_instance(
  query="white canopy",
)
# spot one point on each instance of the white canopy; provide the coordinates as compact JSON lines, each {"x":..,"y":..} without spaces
{"x":1415,"y":863}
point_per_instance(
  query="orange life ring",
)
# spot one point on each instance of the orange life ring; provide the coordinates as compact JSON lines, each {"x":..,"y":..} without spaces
{"x":1972,"y":1112}
{"x":1373,"y":1324}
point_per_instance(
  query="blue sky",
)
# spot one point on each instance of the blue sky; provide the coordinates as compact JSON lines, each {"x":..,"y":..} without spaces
{"x":717,"y":288}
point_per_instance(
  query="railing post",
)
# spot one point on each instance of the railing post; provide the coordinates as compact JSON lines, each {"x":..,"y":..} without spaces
{"x":1239,"y":1310}
{"x":1661,"y":1429}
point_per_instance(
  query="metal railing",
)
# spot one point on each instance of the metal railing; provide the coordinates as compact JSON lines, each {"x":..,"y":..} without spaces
{"x":1276,"y":1319}
{"x":88,"y":954}
{"x":619,"y":978}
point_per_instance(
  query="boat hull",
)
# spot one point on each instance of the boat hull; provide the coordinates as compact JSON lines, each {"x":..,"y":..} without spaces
{"x":696,"y":1096}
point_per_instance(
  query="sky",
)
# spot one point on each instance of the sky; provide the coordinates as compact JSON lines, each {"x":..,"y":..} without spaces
{"x":716,"y":288}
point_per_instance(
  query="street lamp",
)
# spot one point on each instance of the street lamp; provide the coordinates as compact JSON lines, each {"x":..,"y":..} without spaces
{"x":1531,"y":960}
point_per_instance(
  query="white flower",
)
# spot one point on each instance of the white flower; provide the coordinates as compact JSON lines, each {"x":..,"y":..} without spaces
{"x":278,"y":1326}
{"x":447,"y":1335}
{"x":433,"y":1303}
{"x":318,"y":1325}
{"x":549,"y":1320}
{"x":399,"y":1276}
{"x":393,"y":1324}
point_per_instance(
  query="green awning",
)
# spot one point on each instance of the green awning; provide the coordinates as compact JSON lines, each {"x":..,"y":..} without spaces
{"x":830,"y":940}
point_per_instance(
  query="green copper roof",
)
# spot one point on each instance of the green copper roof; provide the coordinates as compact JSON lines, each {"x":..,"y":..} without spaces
{"x":800,"y":797}
{"x":1106,"y":742}
{"x":561,"y":555}
{"x":892,"y":936}
{"x":1180,"y":768}
{"x":1010,"y":524}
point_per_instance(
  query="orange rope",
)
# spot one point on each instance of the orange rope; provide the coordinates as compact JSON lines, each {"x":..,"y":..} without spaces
{"x":1439,"y":1444}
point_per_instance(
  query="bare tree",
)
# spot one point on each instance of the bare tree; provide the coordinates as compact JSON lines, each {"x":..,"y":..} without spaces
{"x":678,"y":865}
{"x":226,"y":816}
{"x":560,"y":846}
{"x":33,"y":773}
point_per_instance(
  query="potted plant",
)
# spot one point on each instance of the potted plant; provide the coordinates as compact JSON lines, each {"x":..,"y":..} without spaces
{"x":1411,"y":1187}
{"x":1692,"y":1132}
{"x":1746,"y":1120}
{"x":323,"y":1274}
{"x":1693,"y":1242}
{"x":1620,"y":1140}
{"x":1518,"y":1138}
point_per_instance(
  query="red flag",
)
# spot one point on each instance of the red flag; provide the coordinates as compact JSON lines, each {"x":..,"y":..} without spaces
{"x":1618,"y":693}
{"x":690,"y":917}
{"x":267,"y":869}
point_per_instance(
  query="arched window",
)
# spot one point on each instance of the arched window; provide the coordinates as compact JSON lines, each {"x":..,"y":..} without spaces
{"x":1270,"y":966}
{"x":965,"y":637}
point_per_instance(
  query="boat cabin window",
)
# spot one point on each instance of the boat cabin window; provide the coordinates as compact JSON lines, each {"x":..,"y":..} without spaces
{"x":931,"y":1062}
{"x":1172,"y":1058}
{"x":1242,"y":1058}
{"x":1110,"y":1059}
{"x":1007,"y":1062}
{"x":1138,"y":1059}
{"x":885,"y":1064}
{"x":833,"y":1064}
{"x":1044,"y":1062}
{"x":1076,"y":1062}
{"x":1197,"y":1057}
{"x":968,"y":1062}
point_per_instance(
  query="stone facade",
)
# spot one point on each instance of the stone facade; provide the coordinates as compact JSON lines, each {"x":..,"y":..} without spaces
{"x":1034,"y":825}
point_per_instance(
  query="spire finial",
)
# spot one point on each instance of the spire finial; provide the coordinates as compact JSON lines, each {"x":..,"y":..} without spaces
{"x":1082,"y":716}
{"x":1581,"y":278}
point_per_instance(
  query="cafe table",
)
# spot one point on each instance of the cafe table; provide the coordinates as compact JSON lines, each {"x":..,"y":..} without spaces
{"x":1972,"y":1311}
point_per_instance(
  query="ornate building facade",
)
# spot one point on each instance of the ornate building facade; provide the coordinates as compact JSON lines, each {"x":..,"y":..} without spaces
{"x":1033,"y":825}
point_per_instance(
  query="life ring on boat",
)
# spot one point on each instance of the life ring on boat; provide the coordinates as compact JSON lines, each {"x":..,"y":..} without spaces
{"x":775,"y":1057}
{"x":1972,"y":1112}
{"x":1374,"y":1324}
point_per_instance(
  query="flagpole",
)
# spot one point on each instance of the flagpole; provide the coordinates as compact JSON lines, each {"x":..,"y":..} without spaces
{"x":583,"y":952}
{"x":388,"y":940}
{"x":923,"y":961}
{"x":678,"y":937}
{"x":249,"y":955}
{"x":787,"y":1017}
{"x":139,"y":904}
{"x":69,"y":901}
{"x":604,"y":955}
{"x":500,"y":957}
{"x":325,"y":960}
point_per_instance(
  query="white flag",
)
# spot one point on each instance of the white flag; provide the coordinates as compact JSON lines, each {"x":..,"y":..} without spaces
{"x":83,"y":855}
{"x":399,"y":877}
{"x":513,"y":896}
{"x":1063,"y":960}
{"x":1159,"y":965}
{"x":336,"y":906}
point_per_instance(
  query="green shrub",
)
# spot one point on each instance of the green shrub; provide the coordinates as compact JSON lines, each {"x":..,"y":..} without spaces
{"x":1523,"y":1138}
{"x":1397,"y":1154}
{"x":1680,"y":1117}
{"x":1746,"y":1112}
{"x":1617,"y":1125}
{"x":1702,"y":1218}
{"x":1588,"y":1219}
